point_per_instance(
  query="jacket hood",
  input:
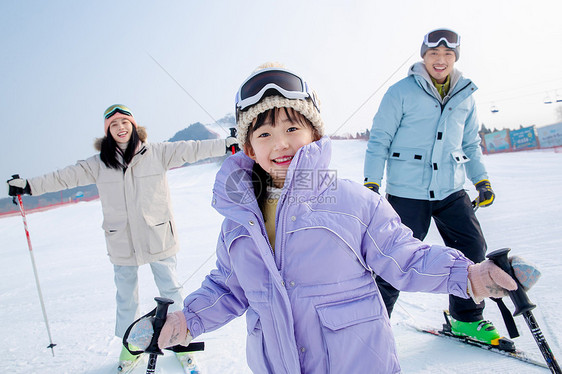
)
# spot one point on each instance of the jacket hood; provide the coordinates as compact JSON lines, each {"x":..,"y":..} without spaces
{"x":418,"y":69}
{"x":140,"y":130}
{"x":306,"y":177}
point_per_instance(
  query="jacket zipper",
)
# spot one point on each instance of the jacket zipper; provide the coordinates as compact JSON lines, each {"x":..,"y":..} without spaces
{"x":278,"y":227}
{"x":455,"y":94}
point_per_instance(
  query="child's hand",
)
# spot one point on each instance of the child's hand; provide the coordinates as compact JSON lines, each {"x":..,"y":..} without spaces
{"x":488,"y":280}
{"x":173,"y":332}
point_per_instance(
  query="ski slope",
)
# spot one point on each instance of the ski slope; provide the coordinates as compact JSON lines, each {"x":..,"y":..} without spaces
{"x":77,"y":278}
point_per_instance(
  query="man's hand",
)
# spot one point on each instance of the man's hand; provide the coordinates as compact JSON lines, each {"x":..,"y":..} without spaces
{"x":372,"y":186}
{"x":486,"y":195}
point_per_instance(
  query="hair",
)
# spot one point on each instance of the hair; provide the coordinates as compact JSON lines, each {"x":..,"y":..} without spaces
{"x":108,"y":152}
{"x":261,"y":179}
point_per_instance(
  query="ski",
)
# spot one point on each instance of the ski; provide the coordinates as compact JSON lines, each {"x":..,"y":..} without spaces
{"x":505,"y":348}
{"x":132,"y":367}
{"x":188,"y":363}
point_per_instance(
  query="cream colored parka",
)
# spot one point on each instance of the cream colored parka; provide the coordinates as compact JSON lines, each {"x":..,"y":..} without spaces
{"x":137,"y":212}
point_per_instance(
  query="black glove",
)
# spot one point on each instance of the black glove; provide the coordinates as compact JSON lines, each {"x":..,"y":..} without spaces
{"x":486,"y":195}
{"x":18,"y":186}
{"x":232,"y":145}
{"x":372,"y":186}
{"x":232,"y":142}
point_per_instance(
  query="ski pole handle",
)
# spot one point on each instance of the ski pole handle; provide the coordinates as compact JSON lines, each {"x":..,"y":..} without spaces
{"x":476,"y":203}
{"x":519,"y":296}
{"x":159,"y":319}
{"x":524,"y":306}
{"x":234,"y":148}
{"x":12,"y":189}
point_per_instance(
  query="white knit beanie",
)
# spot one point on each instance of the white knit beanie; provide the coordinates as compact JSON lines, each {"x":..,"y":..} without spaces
{"x":303,"y":106}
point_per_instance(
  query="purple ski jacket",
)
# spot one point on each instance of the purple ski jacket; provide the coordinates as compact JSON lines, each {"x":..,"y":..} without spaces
{"x":311,"y":303}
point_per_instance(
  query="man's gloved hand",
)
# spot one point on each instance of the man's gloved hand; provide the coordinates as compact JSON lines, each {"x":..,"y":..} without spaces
{"x":18,"y":186}
{"x":232,"y":145}
{"x":486,"y":195}
{"x":372,"y":186}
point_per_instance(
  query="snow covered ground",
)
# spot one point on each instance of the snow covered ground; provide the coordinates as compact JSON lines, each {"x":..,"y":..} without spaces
{"x":77,"y":278}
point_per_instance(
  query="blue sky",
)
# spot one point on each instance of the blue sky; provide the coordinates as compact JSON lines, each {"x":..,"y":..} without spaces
{"x":63,"y":62}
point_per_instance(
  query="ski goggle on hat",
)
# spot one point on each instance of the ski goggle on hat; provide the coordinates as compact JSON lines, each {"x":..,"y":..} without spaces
{"x":117,"y":108}
{"x":272,"y":81}
{"x":434,"y":38}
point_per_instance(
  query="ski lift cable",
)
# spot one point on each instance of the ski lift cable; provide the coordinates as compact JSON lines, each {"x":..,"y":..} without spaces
{"x":200,"y":266}
{"x":373,"y":94}
{"x":515,"y":97}
{"x":188,"y":94}
{"x":542,"y":84}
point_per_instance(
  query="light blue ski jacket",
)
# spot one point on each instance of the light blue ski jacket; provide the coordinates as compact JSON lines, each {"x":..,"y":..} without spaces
{"x":312,"y":305}
{"x":427,"y":142}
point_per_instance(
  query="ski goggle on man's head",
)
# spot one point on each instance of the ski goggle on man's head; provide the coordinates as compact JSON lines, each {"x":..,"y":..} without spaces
{"x":436,"y":37}
{"x":117,"y":108}
{"x":272,"y":81}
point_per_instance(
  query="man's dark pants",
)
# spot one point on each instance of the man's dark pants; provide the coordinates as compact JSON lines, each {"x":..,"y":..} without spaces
{"x":459,"y":228}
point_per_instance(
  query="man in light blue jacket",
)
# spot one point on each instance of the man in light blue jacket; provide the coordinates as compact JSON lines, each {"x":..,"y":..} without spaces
{"x":426,"y":132}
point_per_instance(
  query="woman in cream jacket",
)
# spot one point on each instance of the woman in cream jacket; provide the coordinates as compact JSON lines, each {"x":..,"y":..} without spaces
{"x":130,"y":175}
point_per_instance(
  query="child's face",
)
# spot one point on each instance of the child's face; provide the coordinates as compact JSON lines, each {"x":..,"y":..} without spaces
{"x":273,"y":145}
{"x":121,"y":130}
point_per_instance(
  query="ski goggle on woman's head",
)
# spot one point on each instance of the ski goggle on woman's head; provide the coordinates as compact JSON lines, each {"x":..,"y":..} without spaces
{"x":272,"y":81}
{"x":117,"y":108}
{"x":436,"y":37}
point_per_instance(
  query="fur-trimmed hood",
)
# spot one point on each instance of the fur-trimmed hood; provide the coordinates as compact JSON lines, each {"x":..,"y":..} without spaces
{"x":140,"y":130}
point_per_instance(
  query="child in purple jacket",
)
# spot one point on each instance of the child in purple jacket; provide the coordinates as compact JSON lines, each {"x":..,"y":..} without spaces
{"x":299,"y":248}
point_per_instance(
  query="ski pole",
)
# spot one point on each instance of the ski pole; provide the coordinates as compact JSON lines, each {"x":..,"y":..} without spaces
{"x":234,"y":147}
{"x":524,"y":306}
{"x":22,"y":211}
{"x":159,"y":319}
{"x":476,"y":203}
